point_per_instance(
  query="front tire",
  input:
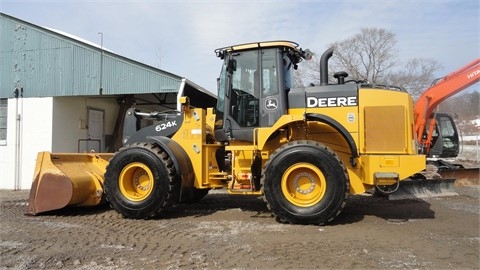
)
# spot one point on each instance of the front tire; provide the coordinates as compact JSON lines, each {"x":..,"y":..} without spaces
{"x":140,"y":181}
{"x":305,"y":182}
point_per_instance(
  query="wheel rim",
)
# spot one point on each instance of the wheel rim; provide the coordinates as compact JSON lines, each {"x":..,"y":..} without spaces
{"x":303,"y":184}
{"x":136,"y":181}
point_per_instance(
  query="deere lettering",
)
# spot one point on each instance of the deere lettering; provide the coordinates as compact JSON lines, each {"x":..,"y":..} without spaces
{"x":331,"y":102}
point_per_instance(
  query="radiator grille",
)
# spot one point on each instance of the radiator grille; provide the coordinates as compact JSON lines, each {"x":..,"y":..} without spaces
{"x":385,"y":129}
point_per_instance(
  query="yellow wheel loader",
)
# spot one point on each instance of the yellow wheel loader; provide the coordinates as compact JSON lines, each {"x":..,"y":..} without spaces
{"x":303,"y":149}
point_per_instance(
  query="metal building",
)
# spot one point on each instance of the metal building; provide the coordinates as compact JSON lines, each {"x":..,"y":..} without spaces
{"x":59,"y":93}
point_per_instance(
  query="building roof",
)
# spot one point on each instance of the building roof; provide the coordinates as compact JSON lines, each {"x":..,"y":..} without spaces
{"x":43,"y":62}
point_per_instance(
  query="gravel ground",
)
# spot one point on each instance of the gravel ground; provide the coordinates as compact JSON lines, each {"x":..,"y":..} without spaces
{"x":237,"y":232}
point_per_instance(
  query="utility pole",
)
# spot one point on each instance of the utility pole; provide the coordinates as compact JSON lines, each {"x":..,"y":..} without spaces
{"x":101,"y":63}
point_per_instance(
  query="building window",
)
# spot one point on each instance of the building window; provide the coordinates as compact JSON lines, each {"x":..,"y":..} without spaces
{"x":3,"y":120}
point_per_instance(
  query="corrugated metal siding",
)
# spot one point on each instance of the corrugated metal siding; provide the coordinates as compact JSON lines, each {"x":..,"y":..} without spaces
{"x":120,"y":76}
{"x":86,"y":71}
{"x":36,"y":61}
{"x":45,"y":63}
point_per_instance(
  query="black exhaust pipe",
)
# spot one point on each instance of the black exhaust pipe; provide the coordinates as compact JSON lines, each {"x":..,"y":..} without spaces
{"x":324,"y":66}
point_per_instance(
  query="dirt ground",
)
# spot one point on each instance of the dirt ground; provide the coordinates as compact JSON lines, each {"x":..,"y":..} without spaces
{"x":237,"y":232}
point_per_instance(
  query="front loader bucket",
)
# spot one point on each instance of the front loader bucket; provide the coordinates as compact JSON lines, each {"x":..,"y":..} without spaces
{"x":60,"y":180}
{"x":424,"y":188}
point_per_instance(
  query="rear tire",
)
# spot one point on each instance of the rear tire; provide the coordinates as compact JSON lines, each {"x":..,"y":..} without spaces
{"x":305,"y":182}
{"x":140,"y":181}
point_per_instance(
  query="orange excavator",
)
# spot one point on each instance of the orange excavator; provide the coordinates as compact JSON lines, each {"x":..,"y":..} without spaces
{"x":437,"y":138}
{"x":426,"y":118}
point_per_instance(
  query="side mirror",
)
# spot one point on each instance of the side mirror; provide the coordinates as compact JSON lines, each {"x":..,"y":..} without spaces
{"x":231,"y":65}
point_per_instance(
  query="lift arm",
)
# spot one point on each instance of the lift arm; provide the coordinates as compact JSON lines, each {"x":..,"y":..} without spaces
{"x":440,"y":90}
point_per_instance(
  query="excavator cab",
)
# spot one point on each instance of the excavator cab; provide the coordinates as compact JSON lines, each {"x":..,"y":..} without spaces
{"x":445,"y":139}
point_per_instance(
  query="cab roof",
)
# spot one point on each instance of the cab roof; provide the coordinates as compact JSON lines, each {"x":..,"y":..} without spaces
{"x":263,"y":44}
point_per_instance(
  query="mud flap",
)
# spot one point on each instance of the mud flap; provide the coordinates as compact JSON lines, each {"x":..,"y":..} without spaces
{"x":424,"y":188}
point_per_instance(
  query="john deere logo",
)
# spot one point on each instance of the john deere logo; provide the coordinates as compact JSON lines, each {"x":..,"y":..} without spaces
{"x":331,"y":102}
{"x":271,"y":104}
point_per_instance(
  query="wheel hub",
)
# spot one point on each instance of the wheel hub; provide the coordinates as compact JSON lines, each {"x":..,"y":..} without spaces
{"x":138,"y":182}
{"x":304,"y":183}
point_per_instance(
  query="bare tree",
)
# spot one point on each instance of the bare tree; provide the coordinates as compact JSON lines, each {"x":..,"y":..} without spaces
{"x":416,"y":75}
{"x":308,"y":72}
{"x":465,"y":105}
{"x":371,"y":56}
{"x":368,"y":55}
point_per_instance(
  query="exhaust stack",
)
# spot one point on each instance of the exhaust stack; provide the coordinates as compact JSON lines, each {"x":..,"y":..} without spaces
{"x":324,"y":66}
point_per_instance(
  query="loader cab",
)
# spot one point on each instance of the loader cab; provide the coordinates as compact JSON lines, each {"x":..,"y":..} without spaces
{"x":252,"y":88}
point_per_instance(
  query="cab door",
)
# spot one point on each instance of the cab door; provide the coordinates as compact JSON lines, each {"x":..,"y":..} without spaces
{"x":237,"y":113}
{"x":250,"y":84}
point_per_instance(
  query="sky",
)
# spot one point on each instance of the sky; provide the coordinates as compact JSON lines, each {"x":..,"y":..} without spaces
{"x":180,"y":36}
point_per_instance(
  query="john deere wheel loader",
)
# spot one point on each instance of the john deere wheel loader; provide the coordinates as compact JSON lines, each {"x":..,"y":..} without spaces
{"x":303,"y":149}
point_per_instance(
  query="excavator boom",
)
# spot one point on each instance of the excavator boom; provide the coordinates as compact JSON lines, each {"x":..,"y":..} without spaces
{"x":435,"y":182}
{"x":438,"y":92}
